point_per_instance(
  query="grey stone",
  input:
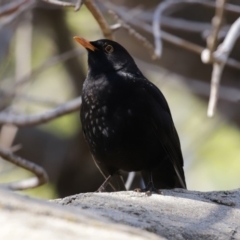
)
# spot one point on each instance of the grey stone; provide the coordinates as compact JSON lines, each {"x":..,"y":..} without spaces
{"x":177,"y":214}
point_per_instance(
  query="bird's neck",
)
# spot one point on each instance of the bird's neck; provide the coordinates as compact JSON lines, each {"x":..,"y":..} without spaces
{"x":127,"y":71}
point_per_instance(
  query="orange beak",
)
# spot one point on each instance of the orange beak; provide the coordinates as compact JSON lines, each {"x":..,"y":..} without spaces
{"x":85,"y":43}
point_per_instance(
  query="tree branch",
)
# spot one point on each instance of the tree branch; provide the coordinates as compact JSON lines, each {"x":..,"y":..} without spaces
{"x":199,"y":87}
{"x":11,"y":7}
{"x":222,"y":52}
{"x":23,"y":120}
{"x":134,"y":33}
{"x":212,"y":39}
{"x":50,"y":62}
{"x":60,"y":3}
{"x":41,"y":175}
{"x":78,"y":5}
{"x":168,"y":37}
{"x":12,"y":10}
{"x":106,"y":29}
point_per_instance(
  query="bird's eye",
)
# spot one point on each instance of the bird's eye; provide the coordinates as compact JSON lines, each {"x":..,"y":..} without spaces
{"x":109,"y":48}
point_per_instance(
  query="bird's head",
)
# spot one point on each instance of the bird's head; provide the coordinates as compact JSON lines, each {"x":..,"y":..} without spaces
{"x":107,"y":56}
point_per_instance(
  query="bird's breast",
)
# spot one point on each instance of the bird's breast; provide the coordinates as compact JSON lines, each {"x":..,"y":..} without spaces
{"x":97,"y":118}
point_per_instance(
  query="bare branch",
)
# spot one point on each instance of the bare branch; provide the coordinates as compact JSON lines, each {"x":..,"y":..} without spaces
{"x":222,"y":52}
{"x":106,"y":29}
{"x":50,"y":62}
{"x":146,"y":27}
{"x":37,"y":100}
{"x":11,"y":7}
{"x":206,"y":3}
{"x":11,"y":11}
{"x":172,"y":22}
{"x":226,"y":47}
{"x":78,"y":5}
{"x":226,"y":93}
{"x":60,"y":3}
{"x":157,"y":16}
{"x":156,"y":27}
{"x":228,"y":7}
{"x":36,"y":119}
{"x":212,"y":39}
{"x":217,"y":20}
{"x":41,"y":175}
{"x":187,"y":45}
{"x":134,"y":33}
{"x":185,"y":25}
{"x":115,"y":27}
{"x":167,"y":36}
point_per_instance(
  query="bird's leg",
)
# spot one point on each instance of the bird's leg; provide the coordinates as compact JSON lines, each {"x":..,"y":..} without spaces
{"x":122,"y":182}
{"x":150,"y":187}
{"x":104,"y":185}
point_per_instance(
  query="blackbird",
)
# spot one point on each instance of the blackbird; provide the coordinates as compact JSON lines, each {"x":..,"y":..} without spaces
{"x":126,"y":120}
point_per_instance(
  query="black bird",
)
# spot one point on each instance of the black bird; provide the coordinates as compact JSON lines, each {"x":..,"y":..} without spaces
{"x":126,"y":119}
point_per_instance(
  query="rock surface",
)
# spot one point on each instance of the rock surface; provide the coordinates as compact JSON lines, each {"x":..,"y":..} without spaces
{"x":178,"y":214}
{"x":30,"y":219}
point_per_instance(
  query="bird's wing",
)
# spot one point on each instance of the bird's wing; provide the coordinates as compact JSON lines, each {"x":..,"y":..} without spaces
{"x":162,"y":124}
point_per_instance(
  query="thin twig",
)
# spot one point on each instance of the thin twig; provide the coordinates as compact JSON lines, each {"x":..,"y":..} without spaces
{"x":146,"y":27}
{"x":78,"y":5}
{"x":36,"y":100}
{"x":60,"y":3}
{"x":222,"y":52}
{"x":36,"y":119}
{"x":199,"y":87}
{"x":206,"y":3}
{"x":10,"y":11}
{"x":172,"y":22}
{"x":182,"y":42}
{"x":11,"y":7}
{"x":191,"y":47}
{"x":233,"y":8}
{"x":50,"y":62}
{"x":168,"y":37}
{"x":157,"y":16}
{"x":134,"y":33}
{"x":156,"y":27}
{"x":207,"y":56}
{"x":217,"y":21}
{"x":115,"y":27}
{"x":41,"y":175}
{"x":106,"y":29}
{"x":169,"y":21}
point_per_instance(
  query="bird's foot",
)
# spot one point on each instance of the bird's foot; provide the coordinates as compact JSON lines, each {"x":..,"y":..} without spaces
{"x":149,"y":190}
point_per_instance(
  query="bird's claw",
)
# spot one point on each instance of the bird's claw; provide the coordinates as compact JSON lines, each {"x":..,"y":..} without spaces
{"x":148,"y":190}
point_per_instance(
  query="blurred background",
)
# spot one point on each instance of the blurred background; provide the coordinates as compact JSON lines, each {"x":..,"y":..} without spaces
{"x":41,"y":67}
